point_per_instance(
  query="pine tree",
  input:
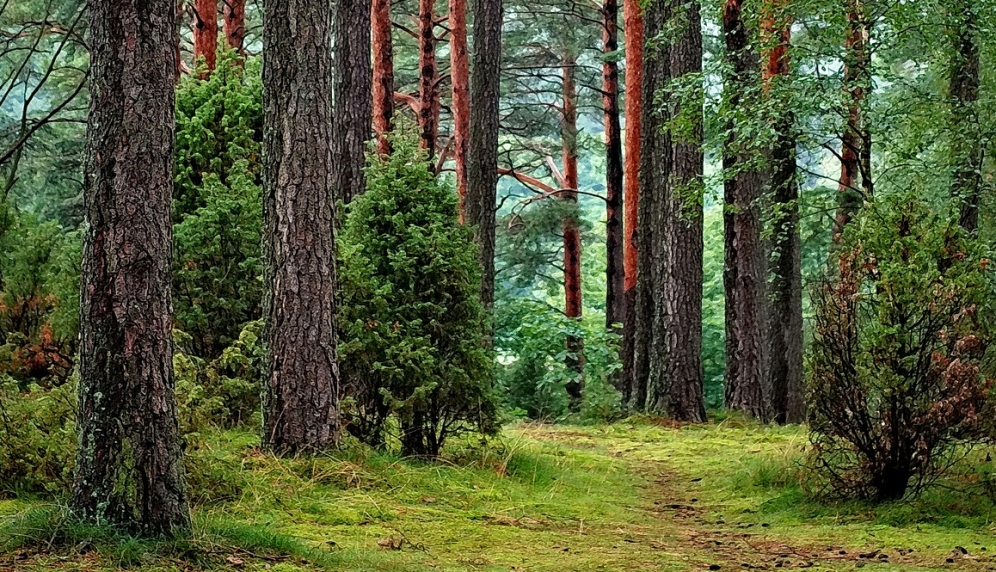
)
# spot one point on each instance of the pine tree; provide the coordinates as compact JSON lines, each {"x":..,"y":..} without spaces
{"x":129,"y":469}
{"x":301,"y":388}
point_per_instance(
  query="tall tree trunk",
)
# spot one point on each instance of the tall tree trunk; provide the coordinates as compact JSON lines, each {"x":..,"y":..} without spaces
{"x":383,"y":73}
{"x":235,"y":24}
{"x":655,"y":171}
{"x":301,"y":390}
{"x":129,"y":466}
{"x":206,"y":33}
{"x":855,"y":152}
{"x":785,"y":371}
{"x":572,"y":232}
{"x":353,"y":112}
{"x":482,"y":155}
{"x":460,"y":79}
{"x":675,"y":382}
{"x":632,"y":371}
{"x":966,"y":152}
{"x":615,"y":302}
{"x":744,"y":273}
{"x":428,"y":77}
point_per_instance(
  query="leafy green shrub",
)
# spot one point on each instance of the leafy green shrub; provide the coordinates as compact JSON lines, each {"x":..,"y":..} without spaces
{"x":413,"y":328}
{"x":218,"y":286}
{"x":902,"y":327}
{"x":534,"y":370}
{"x":37,"y":437}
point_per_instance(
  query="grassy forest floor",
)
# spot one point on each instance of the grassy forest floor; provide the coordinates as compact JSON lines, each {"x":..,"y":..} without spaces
{"x":627,"y":496}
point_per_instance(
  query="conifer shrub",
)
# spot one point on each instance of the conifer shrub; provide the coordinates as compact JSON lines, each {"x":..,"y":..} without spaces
{"x":217,"y":206}
{"x":37,"y":437}
{"x":898,"y":379}
{"x":414,"y":332}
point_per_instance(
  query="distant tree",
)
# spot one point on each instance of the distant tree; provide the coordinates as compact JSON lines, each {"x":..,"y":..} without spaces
{"x":632,"y":371}
{"x":855,"y":149}
{"x":568,"y":180}
{"x":352,"y":113}
{"x":460,"y":80}
{"x":482,"y":150}
{"x":671,"y":188}
{"x":428,"y":105}
{"x":967,"y":142}
{"x":745,"y":271}
{"x":784,"y":385}
{"x":206,"y":33}
{"x":129,"y":468}
{"x":615,"y":301}
{"x":302,"y":386}
{"x":235,"y":24}
{"x":383,"y":73}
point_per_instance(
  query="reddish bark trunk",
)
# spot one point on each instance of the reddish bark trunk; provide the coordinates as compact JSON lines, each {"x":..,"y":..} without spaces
{"x":428,"y":76}
{"x":855,"y":153}
{"x":615,"y":303}
{"x":383,"y":73}
{"x":460,"y":78}
{"x":206,"y":33}
{"x":235,"y":24}
{"x":572,"y":232}
{"x":633,"y":25}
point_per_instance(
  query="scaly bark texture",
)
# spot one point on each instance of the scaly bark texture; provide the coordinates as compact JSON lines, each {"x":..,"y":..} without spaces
{"x":744,"y":273}
{"x":786,"y":395}
{"x":633,"y":25}
{"x":671,"y":187}
{"x":482,"y":152}
{"x":460,"y":79}
{"x":129,"y":466}
{"x":682,"y":296}
{"x":572,"y":231}
{"x":966,"y":151}
{"x":353,"y":111}
{"x":428,"y":77}
{"x":655,"y":171}
{"x":206,"y":33}
{"x":301,"y":388}
{"x":855,"y":152}
{"x":235,"y":24}
{"x":615,"y":302}
{"x":383,"y":73}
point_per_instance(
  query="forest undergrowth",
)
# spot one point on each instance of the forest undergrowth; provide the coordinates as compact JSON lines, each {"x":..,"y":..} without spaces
{"x":634,"y":495}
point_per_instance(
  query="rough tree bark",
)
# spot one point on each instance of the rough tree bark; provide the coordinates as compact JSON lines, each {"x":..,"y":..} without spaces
{"x":482,"y":155}
{"x":655,"y":171}
{"x":744,"y":272}
{"x":855,"y":152}
{"x":301,"y":389}
{"x":129,"y":466}
{"x":784,"y":386}
{"x":632,"y":371}
{"x":353,"y":112}
{"x":671,"y":186}
{"x":572,"y":231}
{"x":206,"y":33}
{"x":615,"y":302}
{"x":383,"y":73}
{"x":966,"y":152}
{"x":428,"y":77}
{"x":235,"y":24}
{"x":460,"y":80}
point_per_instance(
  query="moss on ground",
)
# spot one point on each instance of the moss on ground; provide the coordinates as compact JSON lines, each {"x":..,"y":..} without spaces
{"x":635,"y":495}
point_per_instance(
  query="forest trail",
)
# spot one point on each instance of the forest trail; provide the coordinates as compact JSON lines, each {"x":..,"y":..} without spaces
{"x":635,"y":495}
{"x":702,"y":530}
